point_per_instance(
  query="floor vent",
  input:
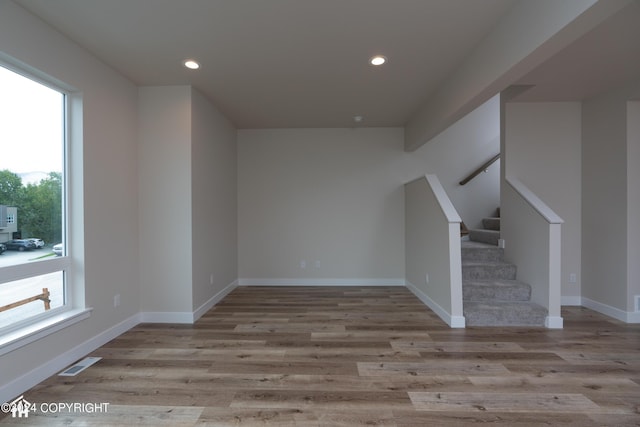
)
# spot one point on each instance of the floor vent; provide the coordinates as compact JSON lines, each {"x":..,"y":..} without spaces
{"x":79,"y":367}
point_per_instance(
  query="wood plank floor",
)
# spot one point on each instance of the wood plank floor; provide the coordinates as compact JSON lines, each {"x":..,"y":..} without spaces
{"x":327,"y":356}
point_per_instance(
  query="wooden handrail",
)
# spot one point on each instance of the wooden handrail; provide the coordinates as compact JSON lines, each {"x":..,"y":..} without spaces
{"x":44,"y":297}
{"x":480,"y":169}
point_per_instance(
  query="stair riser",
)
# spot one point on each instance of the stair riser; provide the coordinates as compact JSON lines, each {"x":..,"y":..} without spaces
{"x":495,"y":293}
{"x":484,"y":319}
{"x":482,"y":254}
{"x":489,"y":272}
{"x":509,"y":315}
{"x":491,"y":223}
{"x":472,"y":320}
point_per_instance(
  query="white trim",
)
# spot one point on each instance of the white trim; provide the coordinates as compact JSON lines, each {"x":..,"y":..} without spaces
{"x":607,"y":310}
{"x":553,"y":322}
{"x":30,"y":269}
{"x":455,"y":274}
{"x":321,"y":282}
{"x":13,"y":340}
{"x":166,"y":317}
{"x":554,"y":303}
{"x":633,"y":317}
{"x":25,"y":382}
{"x":572,"y":300}
{"x":534,"y":201}
{"x":458,"y":322}
{"x":214,"y":300}
{"x":449,"y":211}
{"x":452,"y":321}
{"x":185,"y":316}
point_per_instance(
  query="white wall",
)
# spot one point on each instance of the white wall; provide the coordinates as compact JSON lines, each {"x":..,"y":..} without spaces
{"x":165,"y":198}
{"x":543,"y":150}
{"x":432,"y":247}
{"x":605,"y":191}
{"x":214,"y":201}
{"x":332,"y":196}
{"x":458,"y":151}
{"x":108,"y":219}
{"x":188,"y":202}
{"x":633,"y":205}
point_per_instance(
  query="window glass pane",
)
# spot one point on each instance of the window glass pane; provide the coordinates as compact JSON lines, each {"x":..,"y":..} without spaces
{"x":15,"y":304}
{"x":31,"y":169}
{"x":32,"y":142}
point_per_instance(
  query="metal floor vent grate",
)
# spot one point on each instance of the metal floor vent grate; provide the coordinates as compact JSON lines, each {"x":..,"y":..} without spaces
{"x":79,"y":367}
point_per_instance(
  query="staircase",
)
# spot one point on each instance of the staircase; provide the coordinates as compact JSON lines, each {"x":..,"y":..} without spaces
{"x":491,"y":294}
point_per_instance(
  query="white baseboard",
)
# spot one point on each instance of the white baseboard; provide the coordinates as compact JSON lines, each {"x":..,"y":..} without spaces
{"x":214,"y":300}
{"x":553,"y":322}
{"x":23,"y":383}
{"x":186,"y":316}
{"x":633,"y":317}
{"x":616,"y":313}
{"x":321,"y":282}
{"x":452,"y":321}
{"x":166,"y":317}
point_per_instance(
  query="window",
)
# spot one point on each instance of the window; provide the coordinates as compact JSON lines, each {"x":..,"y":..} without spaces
{"x":34,"y":279}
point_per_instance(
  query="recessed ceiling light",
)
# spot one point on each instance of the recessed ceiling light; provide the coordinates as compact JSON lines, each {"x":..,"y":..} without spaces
{"x":378,"y":60}
{"x":191,"y":64}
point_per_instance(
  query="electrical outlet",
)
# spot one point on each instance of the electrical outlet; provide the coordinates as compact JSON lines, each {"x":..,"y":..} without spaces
{"x":573,"y":278}
{"x":303,"y":264}
{"x":116,"y":300}
{"x":317,"y":264}
{"x":426,"y":278}
{"x":637,"y":305}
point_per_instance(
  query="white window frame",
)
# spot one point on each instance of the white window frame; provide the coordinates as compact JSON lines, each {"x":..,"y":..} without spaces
{"x":29,"y":330}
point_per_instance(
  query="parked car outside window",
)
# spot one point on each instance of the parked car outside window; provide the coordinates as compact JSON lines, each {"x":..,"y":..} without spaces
{"x":38,"y":242}
{"x":57,"y":249}
{"x":2,"y":248}
{"x":20,"y":245}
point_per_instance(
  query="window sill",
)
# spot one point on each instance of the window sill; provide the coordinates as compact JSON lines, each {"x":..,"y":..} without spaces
{"x":23,"y":336}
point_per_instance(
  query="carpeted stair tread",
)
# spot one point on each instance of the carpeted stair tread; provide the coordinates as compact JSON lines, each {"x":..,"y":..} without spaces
{"x":475,"y":245}
{"x":495,"y":290}
{"x":481,"y":313}
{"x":485,"y":270}
{"x":484,"y":236}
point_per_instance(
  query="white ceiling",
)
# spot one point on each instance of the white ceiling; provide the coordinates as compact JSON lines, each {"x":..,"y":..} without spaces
{"x":304,"y":63}
{"x":284,"y":63}
{"x":606,"y":57}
